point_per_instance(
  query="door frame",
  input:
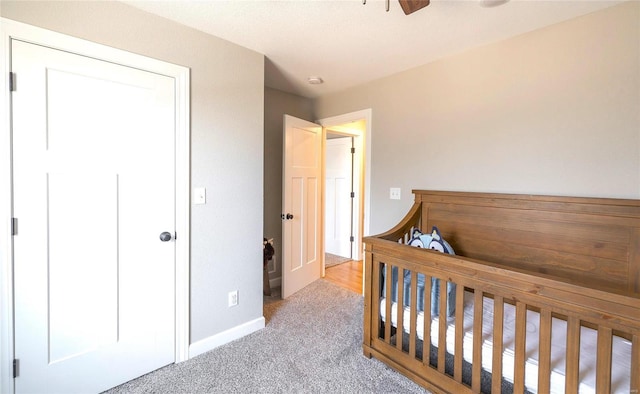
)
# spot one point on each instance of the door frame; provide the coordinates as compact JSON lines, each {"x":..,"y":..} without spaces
{"x":362,"y":143}
{"x":12,"y":30}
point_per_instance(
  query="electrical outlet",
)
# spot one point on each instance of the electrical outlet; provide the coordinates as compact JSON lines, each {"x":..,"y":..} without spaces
{"x":233,"y":298}
{"x":394,"y":193}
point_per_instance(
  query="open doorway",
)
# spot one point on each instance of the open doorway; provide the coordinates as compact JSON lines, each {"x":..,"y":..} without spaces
{"x":357,"y":127}
{"x":346,"y":168}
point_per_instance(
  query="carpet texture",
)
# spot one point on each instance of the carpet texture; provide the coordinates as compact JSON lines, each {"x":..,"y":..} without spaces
{"x":312,"y":343}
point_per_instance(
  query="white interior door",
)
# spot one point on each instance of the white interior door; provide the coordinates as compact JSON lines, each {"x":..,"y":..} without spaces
{"x":302,"y":205}
{"x":338,"y":201}
{"x":94,"y":186}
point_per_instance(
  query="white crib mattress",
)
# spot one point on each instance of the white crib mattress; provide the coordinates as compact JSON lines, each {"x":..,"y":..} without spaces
{"x":621,"y":368}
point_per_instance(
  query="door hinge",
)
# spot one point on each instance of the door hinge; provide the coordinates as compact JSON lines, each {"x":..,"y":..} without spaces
{"x":12,"y":82}
{"x":351,"y":239}
{"x":353,"y":194}
{"x":353,"y":150}
{"x":14,"y":226}
{"x":16,"y":368}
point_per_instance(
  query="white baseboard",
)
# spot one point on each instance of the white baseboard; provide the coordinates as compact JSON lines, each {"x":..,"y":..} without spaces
{"x":212,"y":342}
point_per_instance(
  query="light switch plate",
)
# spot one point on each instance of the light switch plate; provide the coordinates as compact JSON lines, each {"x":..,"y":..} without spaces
{"x":199,"y":195}
{"x":394,"y":193}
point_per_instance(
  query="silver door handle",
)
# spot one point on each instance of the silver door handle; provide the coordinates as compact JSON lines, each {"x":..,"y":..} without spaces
{"x":165,"y":236}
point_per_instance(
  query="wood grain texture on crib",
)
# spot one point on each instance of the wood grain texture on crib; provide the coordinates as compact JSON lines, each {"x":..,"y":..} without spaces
{"x":572,"y":258}
{"x":592,"y":242}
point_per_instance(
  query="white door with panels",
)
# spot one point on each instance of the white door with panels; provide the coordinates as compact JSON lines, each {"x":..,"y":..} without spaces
{"x":301,"y":205}
{"x":339,"y":196}
{"x":94,"y":197}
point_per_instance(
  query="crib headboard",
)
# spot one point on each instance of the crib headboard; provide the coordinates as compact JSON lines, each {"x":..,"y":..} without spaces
{"x":592,"y":242}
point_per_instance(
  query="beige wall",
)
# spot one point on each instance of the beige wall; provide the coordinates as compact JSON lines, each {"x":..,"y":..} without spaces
{"x":227,"y":101}
{"x":276,"y":105}
{"x":554,"y":111}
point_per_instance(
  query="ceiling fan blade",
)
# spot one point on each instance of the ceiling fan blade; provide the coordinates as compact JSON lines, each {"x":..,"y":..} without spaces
{"x":410,"y":6}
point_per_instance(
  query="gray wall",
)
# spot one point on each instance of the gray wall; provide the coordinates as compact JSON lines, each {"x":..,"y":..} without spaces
{"x":276,"y":105}
{"x":554,"y":111}
{"x":227,"y":101}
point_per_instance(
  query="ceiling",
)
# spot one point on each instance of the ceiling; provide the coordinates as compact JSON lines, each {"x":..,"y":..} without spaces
{"x":348,"y":43}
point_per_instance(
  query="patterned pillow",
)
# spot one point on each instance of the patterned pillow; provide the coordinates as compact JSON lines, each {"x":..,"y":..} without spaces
{"x":432,"y":241}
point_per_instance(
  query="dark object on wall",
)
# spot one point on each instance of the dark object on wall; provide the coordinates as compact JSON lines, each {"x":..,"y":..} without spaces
{"x":411,"y":6}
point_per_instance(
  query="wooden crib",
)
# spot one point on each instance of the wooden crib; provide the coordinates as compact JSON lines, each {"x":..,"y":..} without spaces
{"x":564,"y":269}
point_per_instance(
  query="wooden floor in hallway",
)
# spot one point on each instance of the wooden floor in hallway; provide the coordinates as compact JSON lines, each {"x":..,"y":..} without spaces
{"x":347,"y":275}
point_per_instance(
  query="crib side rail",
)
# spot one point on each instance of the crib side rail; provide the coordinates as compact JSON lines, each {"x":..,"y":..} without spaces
{"x":608,"y":314}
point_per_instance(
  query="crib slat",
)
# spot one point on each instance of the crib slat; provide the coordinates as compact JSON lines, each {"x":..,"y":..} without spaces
{"x":635,"y":364}
{"x":442,"y":327}
{"x":387,"y":323}
{"x":520,"y":348}
{"x":496,"y":365}
{"x":459,"y":313}
{"x":478,"y":299}
{"x":426,"y":331}
{"x":544,"y":352}
{"x":370,"y":311}
{"x":413,"y":314}
{"x":573,"y":355}
{"x":603,"y":362}
{"x":400,"y":309}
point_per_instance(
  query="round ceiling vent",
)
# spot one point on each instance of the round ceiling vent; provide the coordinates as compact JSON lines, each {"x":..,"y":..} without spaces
{"x":315,"y":80}
{"x":491,"y":3}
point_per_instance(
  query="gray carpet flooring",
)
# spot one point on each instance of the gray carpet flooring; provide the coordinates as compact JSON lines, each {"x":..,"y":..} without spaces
{"x":312,"y":343}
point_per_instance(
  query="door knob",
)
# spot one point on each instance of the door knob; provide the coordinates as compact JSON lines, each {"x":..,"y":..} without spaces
{"x":165,"y":236}
{"x":287,"y":216}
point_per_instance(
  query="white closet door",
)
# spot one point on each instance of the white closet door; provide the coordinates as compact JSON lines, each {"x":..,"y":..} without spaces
{"x":94,"y":187}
